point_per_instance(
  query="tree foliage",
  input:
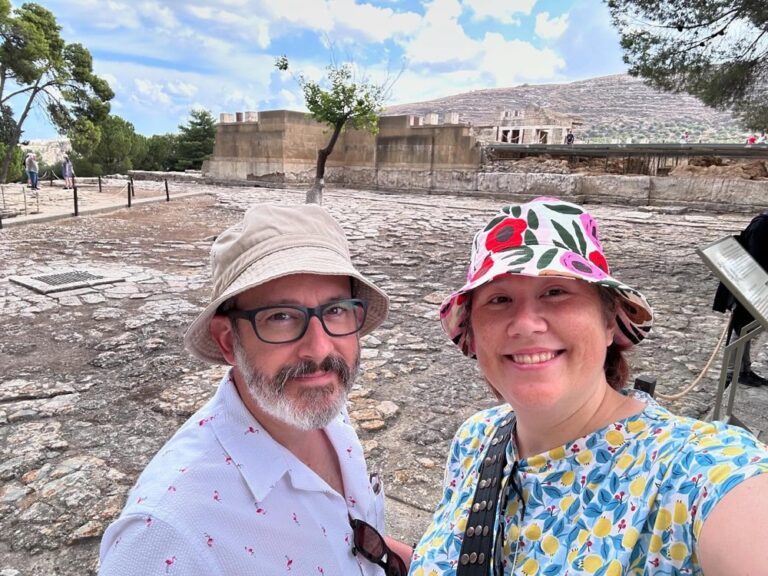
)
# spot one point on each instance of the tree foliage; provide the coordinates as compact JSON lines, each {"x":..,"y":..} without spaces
{"x":716,"y":50}
{"x":119,"y":149}
{"x":196,"y":140}
{"x":340,"y":101}
{"x":38,"y":68}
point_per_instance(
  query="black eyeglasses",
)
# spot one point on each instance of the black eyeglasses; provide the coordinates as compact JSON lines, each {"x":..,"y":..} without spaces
{"x":371,"y":546}
{"x":288,"y":322}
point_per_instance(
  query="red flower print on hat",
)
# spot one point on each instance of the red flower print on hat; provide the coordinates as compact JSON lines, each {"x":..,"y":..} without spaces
{"x":506,"y":234}
{"x":484,"y":267}
{"x":598,"y":260}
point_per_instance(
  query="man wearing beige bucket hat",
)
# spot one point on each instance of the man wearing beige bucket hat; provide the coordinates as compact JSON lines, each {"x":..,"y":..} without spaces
{"x":269,"y":476}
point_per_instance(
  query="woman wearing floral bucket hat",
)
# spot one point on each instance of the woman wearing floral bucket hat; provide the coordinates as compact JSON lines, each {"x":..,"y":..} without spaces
{"x":573,"y":474}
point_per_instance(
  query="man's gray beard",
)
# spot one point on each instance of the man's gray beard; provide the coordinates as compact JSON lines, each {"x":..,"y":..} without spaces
{"x":314,"y":411}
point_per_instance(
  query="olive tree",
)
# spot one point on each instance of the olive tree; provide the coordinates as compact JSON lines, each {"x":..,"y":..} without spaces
{"x":340,"y":101}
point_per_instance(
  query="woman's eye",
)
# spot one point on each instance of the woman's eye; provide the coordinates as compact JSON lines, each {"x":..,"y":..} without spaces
{"x":499,"y":300}
{"x":554,"y":292}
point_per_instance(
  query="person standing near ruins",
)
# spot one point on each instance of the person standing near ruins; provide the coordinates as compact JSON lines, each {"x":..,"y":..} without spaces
{"x":269,"y":475}
{"x":68,"y":172}
{"x":569,"y":138}
{"x":30,"y":164}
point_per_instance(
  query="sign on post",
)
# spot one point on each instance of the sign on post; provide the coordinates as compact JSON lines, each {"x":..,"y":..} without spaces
{"x":748,"y":283}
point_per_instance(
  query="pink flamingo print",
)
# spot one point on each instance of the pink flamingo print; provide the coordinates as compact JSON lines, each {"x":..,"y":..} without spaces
{"x":288,"y":564}
{"x":140,"y":499}
{"x":320,"y":570}
{"x":260,"y":510}
{"x":352,"y":501}
{"x":249,"y":550}
{"x":252,"y":430}
{"x":349,"y":451}
{"x":228,"y":460}
{"x":148,"y":521}
{"x":171,"y":488}
{"x":216,"y":496}
{"x":209,"y":540}
{"x":296,"y":519}
{"x":324,"y":531}
{"x":169,"y":562}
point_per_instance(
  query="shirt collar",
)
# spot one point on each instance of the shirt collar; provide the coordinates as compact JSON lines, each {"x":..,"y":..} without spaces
{"x":263,"y":462}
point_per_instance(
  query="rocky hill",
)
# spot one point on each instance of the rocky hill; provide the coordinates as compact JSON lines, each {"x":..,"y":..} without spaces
{"x":613,"y":109}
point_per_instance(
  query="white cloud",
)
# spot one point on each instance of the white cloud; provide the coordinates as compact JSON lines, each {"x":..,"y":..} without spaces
{"x":502,"y":10}
{"x":513,"y":61}
{"x":551,"y":28}
{"x":371,"y":22}
{"x":441,"y":38}
{"x":158,"y":15}
{"x":181,"y":89}
{"x":148,"y":92}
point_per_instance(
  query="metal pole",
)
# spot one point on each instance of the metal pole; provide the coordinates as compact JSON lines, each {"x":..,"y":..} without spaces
{"x":167,"y":194}
{"x":129,"y":194}
{"x":77,"y":212}
{"x":99,"y":184}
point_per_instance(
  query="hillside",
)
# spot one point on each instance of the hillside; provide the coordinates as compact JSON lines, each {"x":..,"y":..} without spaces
{"x":613,"y":108}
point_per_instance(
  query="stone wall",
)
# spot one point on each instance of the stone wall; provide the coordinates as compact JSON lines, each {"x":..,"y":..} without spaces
{"x":283,"y":145}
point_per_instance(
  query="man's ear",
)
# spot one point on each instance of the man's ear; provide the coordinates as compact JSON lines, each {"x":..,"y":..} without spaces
{"x":221,"y":331}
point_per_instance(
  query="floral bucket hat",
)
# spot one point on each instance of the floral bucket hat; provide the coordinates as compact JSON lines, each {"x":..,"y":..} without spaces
{"x":543,"y":237}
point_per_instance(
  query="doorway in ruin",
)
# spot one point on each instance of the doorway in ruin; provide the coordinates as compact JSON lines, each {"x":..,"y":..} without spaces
{"x":542,"y":136}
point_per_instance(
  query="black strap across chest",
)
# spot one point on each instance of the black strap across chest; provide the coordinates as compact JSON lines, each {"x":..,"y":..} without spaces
{"x":477,"y":546}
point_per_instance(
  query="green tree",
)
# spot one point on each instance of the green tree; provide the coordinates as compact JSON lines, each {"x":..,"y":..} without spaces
{"x":161,"y":154}
{"x":38,"y":68}
{"x":716,"y":50}
{"x":346,"y":102}
{"x":117,"y":147}
{"x":196,"y":140}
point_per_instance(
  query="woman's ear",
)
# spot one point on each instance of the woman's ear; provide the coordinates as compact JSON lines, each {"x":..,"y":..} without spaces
{"x":222,"y":332}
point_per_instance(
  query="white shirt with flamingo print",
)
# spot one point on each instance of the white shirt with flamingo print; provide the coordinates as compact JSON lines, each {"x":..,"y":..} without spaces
{"x":222,"y":497}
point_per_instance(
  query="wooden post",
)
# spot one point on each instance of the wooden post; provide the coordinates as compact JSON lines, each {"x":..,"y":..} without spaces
{"x":74,"y":189}
{"x":133,"y":189}
{"x":167,"y":194}
{"x":99,"y":184}
{"x":129,"y":194}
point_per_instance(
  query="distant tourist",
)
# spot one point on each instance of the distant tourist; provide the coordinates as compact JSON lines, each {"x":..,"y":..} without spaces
{"x":68,"y":172}
{"x":569,"y":137}
{"x":763,"y":139}
{"x":684,"y":137}
{"x":751,"y":139}
{"x":31,"y":166}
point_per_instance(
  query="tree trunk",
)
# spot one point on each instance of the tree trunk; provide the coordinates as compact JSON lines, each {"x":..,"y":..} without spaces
{"x":315,"y":194}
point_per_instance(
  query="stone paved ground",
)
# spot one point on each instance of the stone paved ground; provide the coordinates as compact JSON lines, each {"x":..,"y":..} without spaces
{"x":95,"y":380}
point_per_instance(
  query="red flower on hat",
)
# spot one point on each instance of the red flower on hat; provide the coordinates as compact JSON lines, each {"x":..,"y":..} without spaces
{"x":484,"y":267}
{"x":507,"y":234}
{"x":598,"y":260}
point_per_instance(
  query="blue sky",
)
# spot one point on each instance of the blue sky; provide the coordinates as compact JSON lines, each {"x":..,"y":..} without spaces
{"x":163,"y":58}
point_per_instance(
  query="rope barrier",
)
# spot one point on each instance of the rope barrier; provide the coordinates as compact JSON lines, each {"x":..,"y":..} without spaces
{"x":703,"y":373}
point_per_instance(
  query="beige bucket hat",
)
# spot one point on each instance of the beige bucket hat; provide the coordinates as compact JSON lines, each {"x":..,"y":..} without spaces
{"x":272,"y":242}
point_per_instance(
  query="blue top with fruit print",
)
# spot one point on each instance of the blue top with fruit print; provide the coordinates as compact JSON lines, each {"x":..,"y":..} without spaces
{"x":629,"y":498}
